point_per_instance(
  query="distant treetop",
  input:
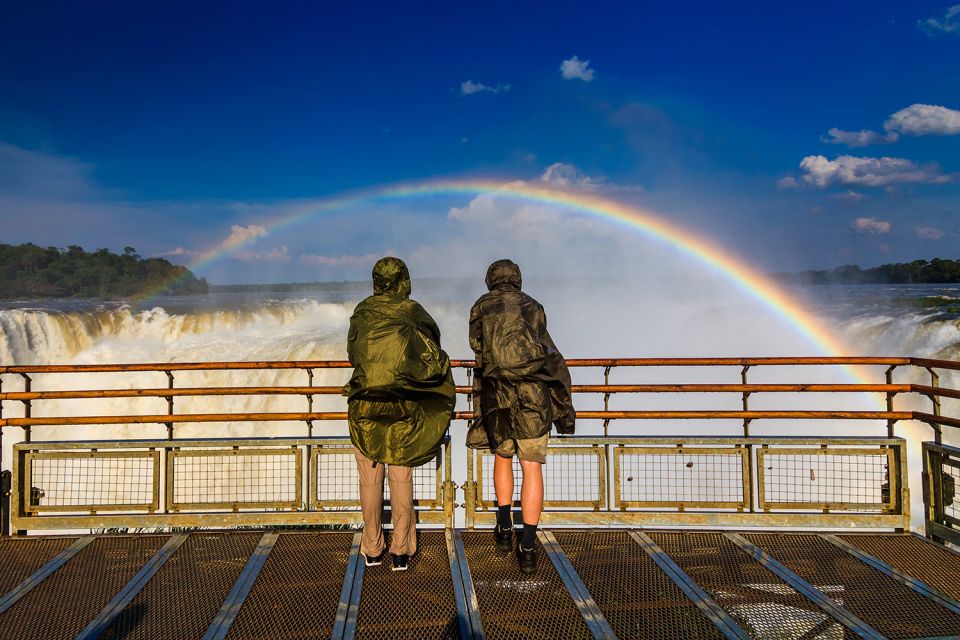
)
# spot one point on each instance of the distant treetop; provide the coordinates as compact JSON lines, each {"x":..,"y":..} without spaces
{"x":936,"y":271}
{"x":27,"y":270}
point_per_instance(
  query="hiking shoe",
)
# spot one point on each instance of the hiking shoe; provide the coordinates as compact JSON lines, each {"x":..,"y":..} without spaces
{"x":503,"y":538}
{"x":372,"y":561}
{"x":401,"y":562}
{"x":527,"y":559}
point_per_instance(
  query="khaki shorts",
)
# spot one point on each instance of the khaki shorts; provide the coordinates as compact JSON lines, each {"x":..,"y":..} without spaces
{"x":529,"y":449}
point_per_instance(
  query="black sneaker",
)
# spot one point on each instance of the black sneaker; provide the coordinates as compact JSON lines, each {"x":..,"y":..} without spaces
{"x":400,"y":562}
{"x":503,"y":538}
{"x":372,"y":561}
{"x":527,"y":559}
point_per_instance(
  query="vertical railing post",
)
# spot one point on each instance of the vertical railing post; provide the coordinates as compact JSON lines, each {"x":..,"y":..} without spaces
{"x":606,"y":400}
{"x":888,"y":377}
{"x":935,"y":399}
{"x":606,"y":431}
{"x":929,"y":482}
{"x":309,"y":403}
{"x":470,"y":489}
{"x":746,"y":401}
{"x":169,"y":405}
{"x":27,"y":407}
{"x":470,"y":384}
{"x":449,"y":488}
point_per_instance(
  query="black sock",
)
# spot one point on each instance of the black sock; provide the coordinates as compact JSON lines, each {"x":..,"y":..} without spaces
{"x":503,"y":517}
{"x":529,"y":535}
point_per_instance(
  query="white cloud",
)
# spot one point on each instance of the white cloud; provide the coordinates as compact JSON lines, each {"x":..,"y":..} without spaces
{"x":868,"y":172}
{"x":870,"y":225}
{"x":576,"y":69}
{"x":274,"y":255}
{"x":240,"y":236}
{"x":788,"y":182}
{"x":924,"y":119}
{"x":470,"y":87}
{"x":915,"y":120}
{"x":862,"y":138}
{"x":928,"y":233}
{"x":949,"y":24}
{"x":561,"y":174}
{"x":851,"y":196}
{"x":368,"y":260}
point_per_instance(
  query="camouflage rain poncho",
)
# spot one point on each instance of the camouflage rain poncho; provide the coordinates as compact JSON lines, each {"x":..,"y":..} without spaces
{"x":521,"y":377}
{"x":401,"y":392}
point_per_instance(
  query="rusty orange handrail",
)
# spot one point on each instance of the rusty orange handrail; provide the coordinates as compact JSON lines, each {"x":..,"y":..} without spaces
{"x":459,"y":415}
{"x":573,"y":362}
{"x":465,"y":390}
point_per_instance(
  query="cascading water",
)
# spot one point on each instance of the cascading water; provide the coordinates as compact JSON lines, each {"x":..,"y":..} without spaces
{"x":582,"y":319}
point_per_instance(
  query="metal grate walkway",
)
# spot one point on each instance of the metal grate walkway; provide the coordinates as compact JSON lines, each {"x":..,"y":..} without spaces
{"x":591,"y":583}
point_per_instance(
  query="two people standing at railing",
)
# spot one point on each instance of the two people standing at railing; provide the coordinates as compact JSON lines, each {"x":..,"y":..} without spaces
{"x":401,"y":396}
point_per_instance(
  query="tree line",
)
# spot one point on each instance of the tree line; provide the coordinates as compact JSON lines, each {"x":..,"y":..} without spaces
{"x":27,"y":270}
{"x":936,"y":271}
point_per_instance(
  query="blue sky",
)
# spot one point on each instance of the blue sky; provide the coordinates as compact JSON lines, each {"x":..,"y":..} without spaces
{"x":177,"y":127}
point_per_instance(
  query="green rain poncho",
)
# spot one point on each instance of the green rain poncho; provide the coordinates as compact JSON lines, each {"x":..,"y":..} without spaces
{"x":401,"y":392}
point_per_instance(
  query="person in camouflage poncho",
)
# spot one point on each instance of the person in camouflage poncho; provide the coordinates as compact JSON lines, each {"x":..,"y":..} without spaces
{"x":523,"y":386}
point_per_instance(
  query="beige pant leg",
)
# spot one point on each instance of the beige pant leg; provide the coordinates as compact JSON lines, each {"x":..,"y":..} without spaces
{"x":371,"y":504}
{"x":404,"y":538}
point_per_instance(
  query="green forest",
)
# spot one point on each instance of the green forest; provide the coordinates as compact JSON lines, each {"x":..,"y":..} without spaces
{"x":936,"y":271}
{"x":27,"y":270}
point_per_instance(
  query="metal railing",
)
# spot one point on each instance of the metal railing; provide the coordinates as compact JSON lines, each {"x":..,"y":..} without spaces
{"x":740,"y":479}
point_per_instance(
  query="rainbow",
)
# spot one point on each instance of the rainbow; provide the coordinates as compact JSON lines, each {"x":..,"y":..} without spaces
{"x":754,"y":284}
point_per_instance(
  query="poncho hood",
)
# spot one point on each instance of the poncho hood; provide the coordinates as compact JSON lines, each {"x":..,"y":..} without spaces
{"x":390,"y":276}
{"x":503,"y":274}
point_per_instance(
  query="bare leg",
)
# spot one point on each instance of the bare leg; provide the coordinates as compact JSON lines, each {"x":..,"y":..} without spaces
{"x":503,"y":479}
{"x":531,"y":492}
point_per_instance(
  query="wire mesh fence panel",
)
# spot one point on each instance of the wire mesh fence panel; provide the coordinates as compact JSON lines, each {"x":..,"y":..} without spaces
{"x":833,"y":479}
{"x":92,"y":480}
{"x":949,"y":480}
{"x":229,"y":478}
{"x":760,"y":602}
{"x":336,"y":477}
{"x":636,"y":597}
{"x":572,"y":477}
{"x":673,"y":477}
{"x":891,"y":608}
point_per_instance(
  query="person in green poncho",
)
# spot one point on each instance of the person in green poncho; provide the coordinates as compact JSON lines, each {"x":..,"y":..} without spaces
{"x":401,"y":399}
